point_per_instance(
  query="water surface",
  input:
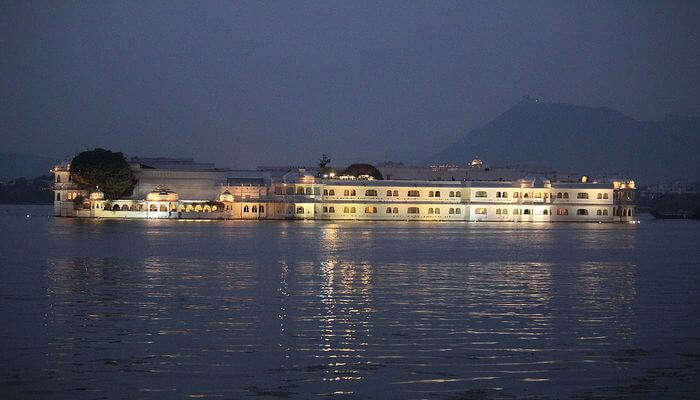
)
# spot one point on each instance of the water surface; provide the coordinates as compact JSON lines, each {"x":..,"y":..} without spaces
{"x":234,"y":309}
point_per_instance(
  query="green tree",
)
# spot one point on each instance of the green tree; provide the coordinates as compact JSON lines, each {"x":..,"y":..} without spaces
{"x":104,"y":169}
{"x":363,"y":169}
{"x":323,"y":165}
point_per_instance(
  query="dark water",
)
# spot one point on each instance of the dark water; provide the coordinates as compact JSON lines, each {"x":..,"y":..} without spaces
{"x":183,"y":309}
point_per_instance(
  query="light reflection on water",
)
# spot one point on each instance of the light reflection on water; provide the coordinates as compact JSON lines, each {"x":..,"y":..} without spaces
{"x":162,"y":309}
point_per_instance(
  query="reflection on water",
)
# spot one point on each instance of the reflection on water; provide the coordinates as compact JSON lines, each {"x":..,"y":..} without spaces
{"x":163,"y":309}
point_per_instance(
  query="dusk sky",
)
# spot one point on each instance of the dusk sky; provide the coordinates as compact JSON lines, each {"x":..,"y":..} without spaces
{"x":275,"y":83}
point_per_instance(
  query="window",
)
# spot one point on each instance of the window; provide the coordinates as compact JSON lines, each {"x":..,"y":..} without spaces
{"x":504,"y":195}
{"x":370,"y":192}
{"x":605,"y":196}
{"x":58,"y":178}
{"x":451,"y":211}
{"x":388,"y":209}
{"x":516,"y":195}
{"x":325,"y":209}
{"x":300,"y":210}
{"x":581,"y":211}
{"x":562,"y":211}
{"x":458,"y":210}
{"x":430,"y":194}
{"x":481,"y":211}
{"x":527,"y":211}
{"x":396,"y":193}
{"x":437,"y":210}
{"x":300,"y":190}
{"x":353,"y":210}
{"x":516,"y":212}
{"x":331,"y":192}
{"x":452,"y":193}
{"x":437,"y":193}
{"x":599,"y":212}
{"x":245,"y":209}
{"x":566,"y":195}
{"x":325,"y":192}
{"x":458,"y":194}
{"x":396,"y":210}
{"x":388,"y":193}
{"x":605,"y":212}
{"x":309,"y":191}
{"x":370,"y":210}
{"x":599,"y":196}
{"x":498,"y":210}
{"x":430,"y":210}
{"x":255,"y":209}
{"x":262,"y":209}
{"x":545,"y":212}
{"x":331,"y":209}
{"x":538,"y":195}
{"x":559,"y":195}
{"x":526,"y":196}
{"x":498,"y":195}
{"x":413,"y":210}
{"x":480,"y":193}
{"x":582,"y":195}
{"x":413,"y":193}
{"x":505,"y":211}
{"x":58,"y":197}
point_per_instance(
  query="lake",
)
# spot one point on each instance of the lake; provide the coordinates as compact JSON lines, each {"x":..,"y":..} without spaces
{"x":163,"y":309}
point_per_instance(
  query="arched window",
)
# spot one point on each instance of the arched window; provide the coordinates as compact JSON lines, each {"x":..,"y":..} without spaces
{"x":559,"y":195}
{"x":346,"y":210}
{"x":538,"y":195}
{"x":430,"y":194}
{"x":388,"y":193}
{"x":346,"y":192}
{"x":458,"y":194}
{"x":206,"y":208}
{"x":437,"y":210}
{"x":480,"y":193}
{"x":526,"y":211}
{"x":125,"y":207}
{"x":458,"y":210}
{"x":605,"y":212}
{"x":370,"y":210}
{"x":331,"y":192}
{"x":581,"y":211}
{"x":262,"y":209}
{"x":325,"y":209}
{"x":58,"y":197}
{"x":582,"y":195}
{"x":481,"y":211}
{"x":498,"y":210}
{"x":331,"y":209}
{"x":413,"y":210}
{"x":325,"y":192}
{"x":545,"y":212}
{"x":58,"y":178}
{"x":353,"y":210}
{"x":300,"y":210}
{"x":396,"y":193}
{"x":451,"y":211}
{"x":413,"y":193}
{"x":430,"y":210}
{"x":599,"y":196}
{"x":452,"y":193}
{"x":309,"y":191}
{"x":388,"y":210}
{"x":370,"y":192}
{"x":116,"y":207}
{"x":353,"y":192}
{"x":189,"y":208}
{"x":246,"y":209}
{"x":255,"y":209}
{"x":605,"y":196}
{"x":437,"y":193}
{"x":526,"y":196}
{"x":396,"y":210}
{"x":181,"y":208}
{"x":289,"y":190}
{"x":516,"y":195}
{"x":153,"y":207}
{"x":599,"y":212}
{"x":566,"y":195}
{"x":516,"y":212}
{"x":504,"y":211}
{"x":629,"y":212}
{"x":498,"y":195}
{"x":504,"y":195}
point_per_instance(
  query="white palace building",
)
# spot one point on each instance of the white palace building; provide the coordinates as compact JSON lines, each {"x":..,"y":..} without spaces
{"x":183,"y":189}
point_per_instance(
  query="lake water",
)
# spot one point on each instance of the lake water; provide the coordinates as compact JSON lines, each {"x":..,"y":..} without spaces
{"x":159,"y":309}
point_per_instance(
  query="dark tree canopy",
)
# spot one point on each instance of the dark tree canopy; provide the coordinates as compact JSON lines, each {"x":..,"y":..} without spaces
{"x":363,"y":169}
{"x":104,"y":169}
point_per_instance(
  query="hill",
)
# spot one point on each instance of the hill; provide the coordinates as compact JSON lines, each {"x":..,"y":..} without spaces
{"x":584,"y":139}
{"x":15,"y":165}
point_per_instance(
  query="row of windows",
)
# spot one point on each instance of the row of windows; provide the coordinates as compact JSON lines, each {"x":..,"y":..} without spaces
{"x":437,"y":193}
{"x":254,"y":209}
{"x":389,"y":210}
{"x":389,"y":193}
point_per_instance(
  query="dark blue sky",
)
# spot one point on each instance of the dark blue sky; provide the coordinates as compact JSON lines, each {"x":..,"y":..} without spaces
{"x":254,"y":83}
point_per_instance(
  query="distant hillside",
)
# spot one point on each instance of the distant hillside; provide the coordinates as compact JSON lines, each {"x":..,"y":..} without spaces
{"x":15,"y":165}
{"x":586,"y":140}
